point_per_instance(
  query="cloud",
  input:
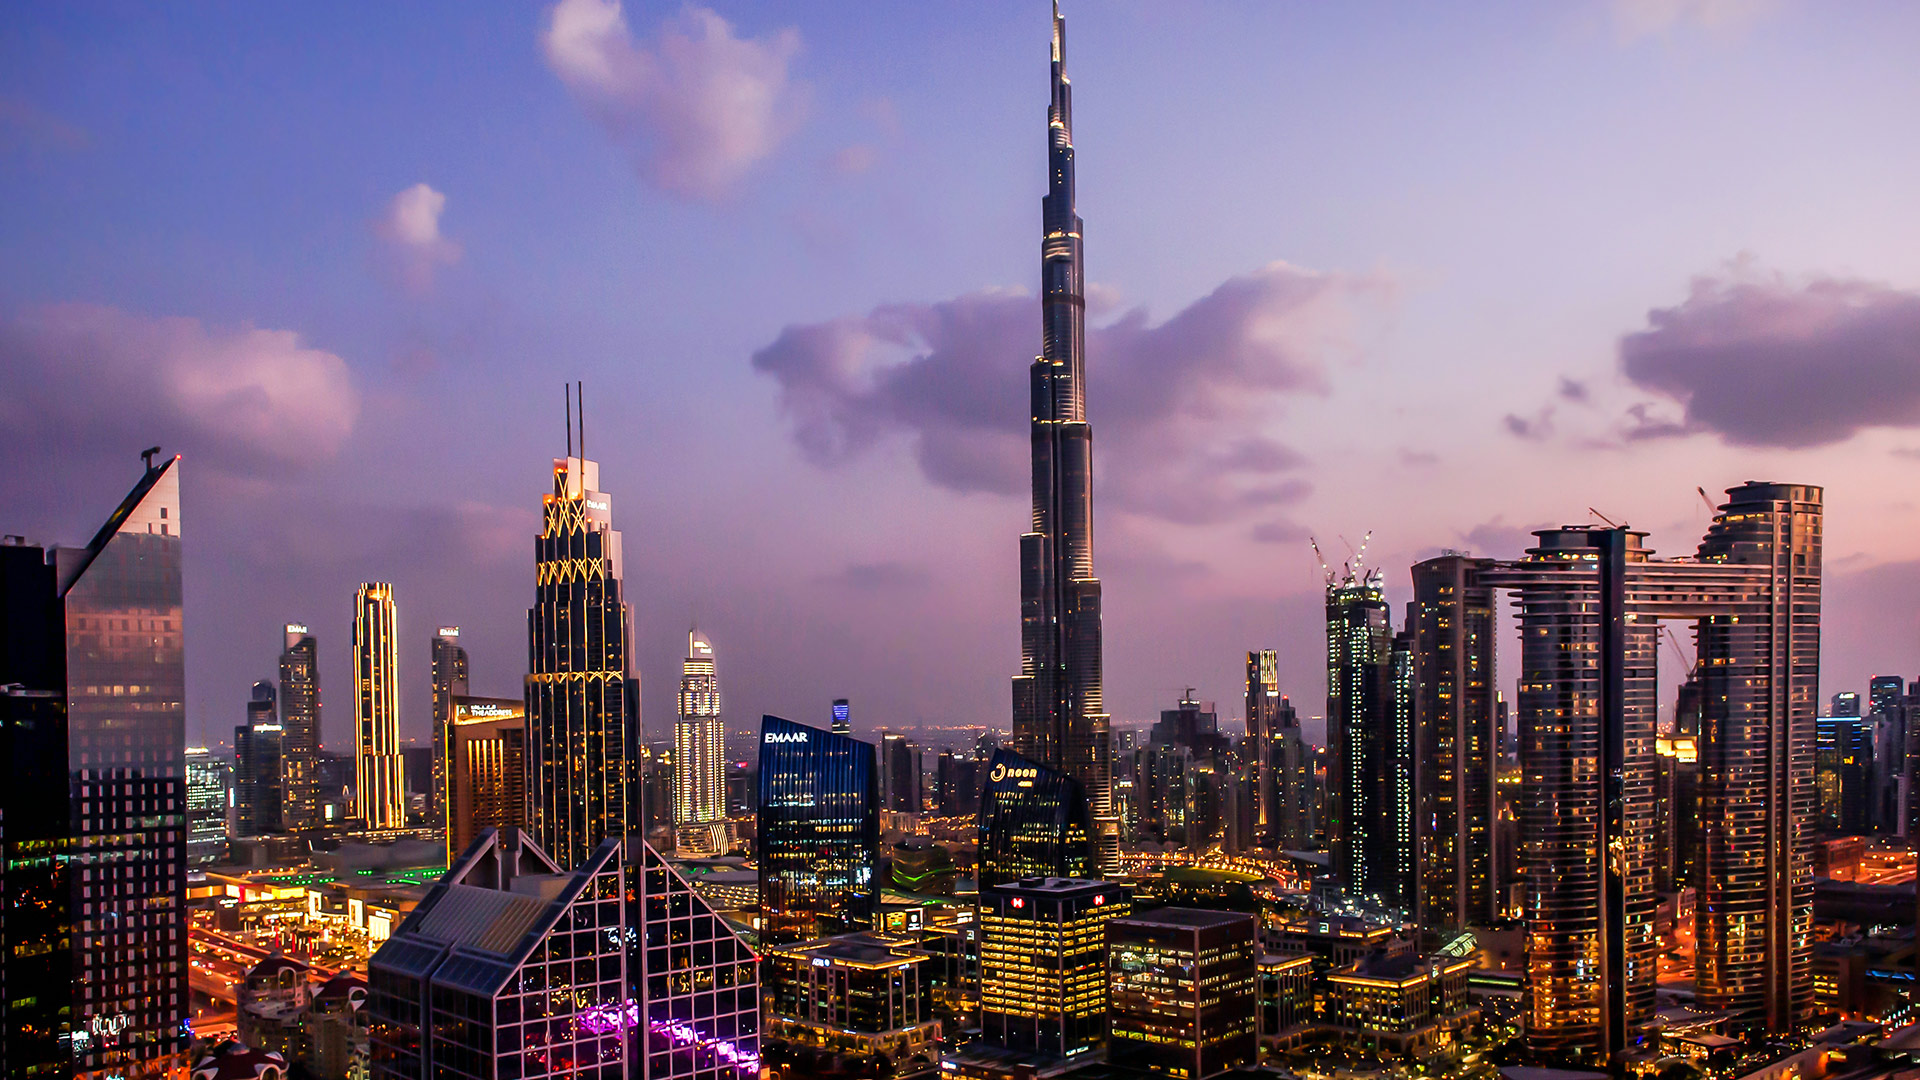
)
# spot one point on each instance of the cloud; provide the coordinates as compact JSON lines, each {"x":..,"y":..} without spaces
{"x":1572,"y":390}
{"x":698,"y":106}
{"x":411,"y":228}
{"x":88,"y":380}
{"x":1279,"y":531}
{"x":887,"y":575}
{"x":1177,"y":407}
{"x":1762,"y":361}
{"x":1634,"y":19}
{"x":1411,"y":458}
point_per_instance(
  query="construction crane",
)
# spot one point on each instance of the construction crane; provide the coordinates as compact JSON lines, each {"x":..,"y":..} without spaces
{"x":1610,"y":522}
{"x":1324,"y":568}
{"x":1711,"y":509}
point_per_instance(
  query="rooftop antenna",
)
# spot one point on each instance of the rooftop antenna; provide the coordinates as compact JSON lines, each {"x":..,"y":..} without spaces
{"x":580,"y":400}
{"x":568,"y":388}
{"x":147,"y":456}
{"x":1711,"y":509}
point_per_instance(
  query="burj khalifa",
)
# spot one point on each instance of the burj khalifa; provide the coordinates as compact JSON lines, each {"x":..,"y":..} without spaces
{"x":1059,"y":719}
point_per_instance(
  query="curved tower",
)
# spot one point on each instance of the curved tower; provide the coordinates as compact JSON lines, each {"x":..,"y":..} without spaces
{"x":1059,"y":719}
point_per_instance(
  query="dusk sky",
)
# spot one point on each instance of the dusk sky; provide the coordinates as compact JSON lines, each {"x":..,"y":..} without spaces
{"x":1444,"y":272}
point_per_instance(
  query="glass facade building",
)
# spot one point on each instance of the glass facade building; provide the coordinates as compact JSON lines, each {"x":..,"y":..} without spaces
{"x":510,"y":969}
{"x":379,"y":776}
{"x":582,"y":713}
{"x":1059,"y":716}
{"x":1365,"y":815}
{"x":1183,"y":991}
{"x":209,"y":791}
{"x":1033,"y":823}
{"x":258,"y":757}
{"x":93,"y":797}
{"x":819,"y":831}
{"x":300,"y":729}
{"x":697,"y":984}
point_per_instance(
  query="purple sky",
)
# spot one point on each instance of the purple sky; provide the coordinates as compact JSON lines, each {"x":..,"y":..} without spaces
{"x":1447,"y":274}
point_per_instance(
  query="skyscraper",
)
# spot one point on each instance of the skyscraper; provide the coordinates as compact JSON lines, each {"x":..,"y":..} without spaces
{"x":699,"y":754}
{"x":93,"y":795}
{"x":1183,"y":990}
{"x":842,"y":717}
{"x":1590,"y":602}
{"x":1043,"y":965}
{"x":1884,"y":692}
{"x":257,"y":755}
{"x":582,"y":720}
{"x":449,"y":668}
{"x":819,"y":831}
{"x":1846,"y":703}
{"x":899,"y":773}
{"x":300,"y":730}
{"x":1363,"y":821}
{"x":1059,"y":718}
{"x":380,"y":794}
{"x":1275,"y":730}
{"x":1457,"y":742}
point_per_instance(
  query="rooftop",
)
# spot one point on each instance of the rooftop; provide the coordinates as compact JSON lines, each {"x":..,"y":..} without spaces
{"x":1193,"y":917}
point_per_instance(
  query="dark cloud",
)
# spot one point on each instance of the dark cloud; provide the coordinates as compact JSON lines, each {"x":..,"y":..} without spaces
{"x":1532,"y":428}
{"x":1499,"y":540}
{"x":1279,"y":531}
{"x":1572,"y":390}
{"x":1643,"y":424}
{"x":1762,"y":361}
{"x":1176,"y":406}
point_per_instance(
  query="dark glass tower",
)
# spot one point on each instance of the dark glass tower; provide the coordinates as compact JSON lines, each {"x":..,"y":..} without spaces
{"x":819,"y":830}
{"x":93,"y":795}
{"x":259,"y":753}
{"x":1032,"y":822}
{"x":300,"y":730}
{"x":1059,"y":719}
{"x":1365,"y":818}
{"x":1457,"y":744}
{"x":449,"y":668}
{"x":582,"y":729}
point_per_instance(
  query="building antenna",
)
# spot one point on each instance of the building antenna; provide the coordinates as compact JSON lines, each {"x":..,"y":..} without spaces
{"x":580,"y":399}
{"x":1711,"y":509}
{"x":568,"y":389}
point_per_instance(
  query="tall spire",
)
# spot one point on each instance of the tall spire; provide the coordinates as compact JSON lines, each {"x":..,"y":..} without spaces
{"x":1058,"y":717}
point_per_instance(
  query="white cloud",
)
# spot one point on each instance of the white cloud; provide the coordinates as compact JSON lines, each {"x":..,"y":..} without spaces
{"x":91,"y":378}
{"x":412,"y":227}
{"x":699,"y":106}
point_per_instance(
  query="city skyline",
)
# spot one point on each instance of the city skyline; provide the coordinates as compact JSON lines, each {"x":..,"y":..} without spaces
{"x":299,"y":524}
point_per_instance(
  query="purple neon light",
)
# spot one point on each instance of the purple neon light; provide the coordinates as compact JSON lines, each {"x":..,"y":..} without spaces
{"x":625,"y":1016}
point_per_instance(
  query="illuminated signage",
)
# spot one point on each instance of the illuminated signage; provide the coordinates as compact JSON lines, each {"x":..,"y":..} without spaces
{"x":591,"y":505}
{"x":786,"y":736}
{"x":486,"y":711}
{"x":295,"y":628}
{"x":449,"y":631}
{"x":1098,"y":900}
{"x":1019,"y":902}
{"x":840,"y":711}
{"x":1001,"y":772}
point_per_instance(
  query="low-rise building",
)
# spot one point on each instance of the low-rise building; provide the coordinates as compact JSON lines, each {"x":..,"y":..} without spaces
{"x":1400,"y":1006}
{"x":1182,"y":991}
{"x":865,"y":996}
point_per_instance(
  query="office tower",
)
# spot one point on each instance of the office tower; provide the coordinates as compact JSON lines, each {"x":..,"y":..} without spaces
{"x":1676,"y":820}
{"x":819,"y":831}
{"x":380,"y":795}
{"x":209,"y":787}
{"x":1846,"y":703}
{"x":465,"y":984}
{"x":866,"y":998}
{"x":1275,"y":730}
{"x":93,"y":795}
{"x":258,"y":775}
{"x":1362,"y":827}
{"x":583,"y":720}
{"x":1456,"y":743}
{"x":899,"y":773}
{"x":1033,"y":823}
{"x":842,"y":717}
{"x":739,"y":788}
{"x":1590,"y":601}
{"x":1883,"y":692}
{"x":449,"y":667}
{"x":1182,"y":988}
{"x":300,"y":730}
{"x":1043,"y":964}
{"x":486,"y":780}
{"x":699,"y":754}
{"x":1402,"y":807}
{"x":1059,"y":719}
{"x":1843,"y":763}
